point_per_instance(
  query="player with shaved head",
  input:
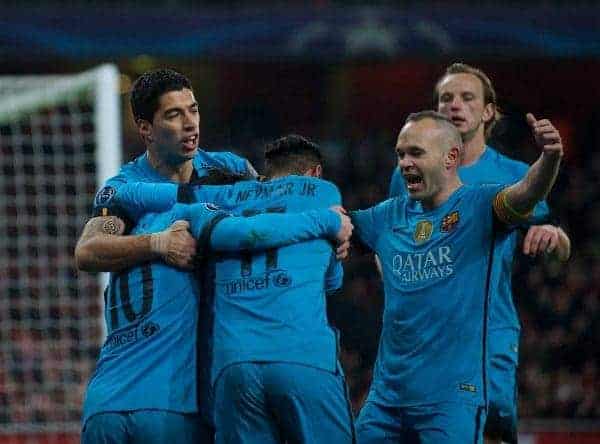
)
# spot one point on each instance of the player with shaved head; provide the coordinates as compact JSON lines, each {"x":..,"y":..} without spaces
{"x":436,"y":244}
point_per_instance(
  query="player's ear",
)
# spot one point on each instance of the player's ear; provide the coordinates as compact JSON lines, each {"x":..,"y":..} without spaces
{"x":452,"y":157}
{"x":145,"y":130}
{"x":315,"y":171}
{"x":489,"y":111}
{"x":318,"y":171}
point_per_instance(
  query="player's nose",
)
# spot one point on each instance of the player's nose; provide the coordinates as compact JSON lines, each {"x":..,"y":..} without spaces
{"x":456,"y":103}
{"x":190,"y":121}
{"x":405,"y":162}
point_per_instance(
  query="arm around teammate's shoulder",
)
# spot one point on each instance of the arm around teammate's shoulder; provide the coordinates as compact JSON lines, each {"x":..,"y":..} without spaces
{"x":273,"y":230}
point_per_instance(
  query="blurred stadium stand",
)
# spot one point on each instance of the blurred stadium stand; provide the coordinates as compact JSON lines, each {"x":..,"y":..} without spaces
{"x":347,"y":80}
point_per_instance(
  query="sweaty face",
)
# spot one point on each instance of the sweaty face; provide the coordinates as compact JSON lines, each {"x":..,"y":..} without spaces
{"x":420,"y":159}
{"x":175,"y":128}
{"x":460,"y":97}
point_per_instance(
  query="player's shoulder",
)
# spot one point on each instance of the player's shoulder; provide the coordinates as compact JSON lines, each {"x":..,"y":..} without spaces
{"x":222,"y":159}
{"x":475,"y":188}
{"x":390,"y":207}
{"x":321,"y":184}
{"x":471,"y":196}
{"x":134,"y":170}
{"x":513,"y":168}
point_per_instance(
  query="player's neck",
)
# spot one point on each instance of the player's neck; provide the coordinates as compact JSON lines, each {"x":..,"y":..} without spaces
{"x":180,"y":173}
{"x":440,"y":198}
{"x":473,"y":148}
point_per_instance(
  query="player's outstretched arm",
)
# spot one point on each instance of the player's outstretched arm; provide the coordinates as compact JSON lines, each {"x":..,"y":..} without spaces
{"x":547,"y":239}
{"x":517,"y":201}
{"x":102,"y":247}
{"x":273,"y":230}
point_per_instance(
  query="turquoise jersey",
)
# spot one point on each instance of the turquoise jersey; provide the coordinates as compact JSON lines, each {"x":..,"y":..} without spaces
{"x":271,"y":307}
{"x":436,"y":268}
{"x":493,"y":167}
{"x":149,"y":358}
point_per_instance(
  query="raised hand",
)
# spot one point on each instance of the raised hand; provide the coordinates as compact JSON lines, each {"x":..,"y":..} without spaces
{"x":546,"y":135}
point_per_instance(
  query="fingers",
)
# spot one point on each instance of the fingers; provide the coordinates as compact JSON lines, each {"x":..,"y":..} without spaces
{"x":342,"y":251}
{"x":553,"y":243}
{"x":546,"y":135}
{"x":540,"y":239}
{"x":339,"y":209}
{"x":180,"y":225}
{"x":181,"y":245}
{"x":345,"y":230}
{"x":527,"y":241}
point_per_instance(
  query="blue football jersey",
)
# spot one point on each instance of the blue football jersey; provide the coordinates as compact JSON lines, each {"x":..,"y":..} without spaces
{"x":493,"y":167}
{"x":272,"y":306}
{"x":140,"y":170}
{"x":151,"y":311}
{"x":436,"y":268}
{"x":149,"y":358}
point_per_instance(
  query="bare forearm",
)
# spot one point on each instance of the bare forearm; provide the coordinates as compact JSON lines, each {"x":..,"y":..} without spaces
{"x":535,"y":186}
{"x":101,"y":246}
{"x":113,"y":253}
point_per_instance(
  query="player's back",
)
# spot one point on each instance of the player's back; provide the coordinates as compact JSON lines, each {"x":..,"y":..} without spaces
{"x":272,"y":306}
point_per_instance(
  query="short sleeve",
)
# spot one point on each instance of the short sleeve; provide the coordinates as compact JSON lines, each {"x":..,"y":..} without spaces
{"x":105,"y":201}
{"x":234,"y":163}
{"x":329,"y":193}
{"x":369,"y":223}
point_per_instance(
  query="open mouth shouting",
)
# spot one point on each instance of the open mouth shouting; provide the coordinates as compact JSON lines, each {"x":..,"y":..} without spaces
{"x":414,"y":181}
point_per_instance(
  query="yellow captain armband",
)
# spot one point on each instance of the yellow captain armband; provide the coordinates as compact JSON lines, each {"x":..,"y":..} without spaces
{"x":506,"y":213}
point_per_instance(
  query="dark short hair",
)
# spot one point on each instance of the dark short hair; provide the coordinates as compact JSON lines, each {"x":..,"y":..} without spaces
{"x":150,"y":86}
{"x":291,"y":154}
{"x":489,"y":93}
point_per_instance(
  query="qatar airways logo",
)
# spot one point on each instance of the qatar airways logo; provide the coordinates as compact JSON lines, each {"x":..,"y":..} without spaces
{"x":415,"y":267}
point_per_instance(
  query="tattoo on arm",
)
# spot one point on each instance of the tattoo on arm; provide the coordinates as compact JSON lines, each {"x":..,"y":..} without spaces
{"x":110,"y":225}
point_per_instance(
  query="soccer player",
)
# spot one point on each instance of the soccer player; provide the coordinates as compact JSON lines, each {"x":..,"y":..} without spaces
{"x":275,"y":370}
{"x":436,"y":247}
{"x":467,"y":96}
{"x":144,"y":388}
{"x":168,"y":121}
{"x":167,"y":116}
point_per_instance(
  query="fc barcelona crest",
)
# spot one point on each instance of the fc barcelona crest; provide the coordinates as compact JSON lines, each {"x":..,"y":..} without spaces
{"x":423,"y":231}
{"x":449,"y":222}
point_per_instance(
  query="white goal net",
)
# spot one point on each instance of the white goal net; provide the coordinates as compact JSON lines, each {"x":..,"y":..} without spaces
{"x":59,"y":138}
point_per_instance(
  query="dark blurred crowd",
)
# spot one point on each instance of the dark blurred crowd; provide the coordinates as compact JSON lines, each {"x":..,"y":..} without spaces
{"x":49,"y":341}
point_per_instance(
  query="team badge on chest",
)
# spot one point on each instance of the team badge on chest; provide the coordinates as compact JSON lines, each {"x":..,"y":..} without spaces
{"x":423,"y":231}
{"x":449,"y":222}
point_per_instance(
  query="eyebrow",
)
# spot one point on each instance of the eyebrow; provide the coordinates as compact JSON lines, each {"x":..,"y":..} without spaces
{"x":173,"y":108}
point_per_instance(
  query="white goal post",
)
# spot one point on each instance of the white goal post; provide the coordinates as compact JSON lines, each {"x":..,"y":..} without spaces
{"x":60,"y":138}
